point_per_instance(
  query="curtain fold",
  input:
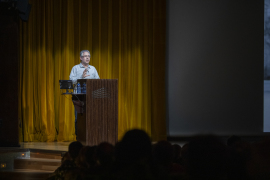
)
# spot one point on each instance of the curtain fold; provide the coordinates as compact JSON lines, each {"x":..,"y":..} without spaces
{"x":126,"y":39}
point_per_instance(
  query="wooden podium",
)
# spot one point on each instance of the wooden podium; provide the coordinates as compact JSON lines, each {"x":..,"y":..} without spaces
{"x":97,"y":111}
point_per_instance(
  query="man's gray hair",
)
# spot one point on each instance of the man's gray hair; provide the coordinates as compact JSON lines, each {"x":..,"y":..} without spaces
{"x":81,"y":53}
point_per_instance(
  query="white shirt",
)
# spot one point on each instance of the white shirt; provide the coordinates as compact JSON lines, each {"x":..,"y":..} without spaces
{"x":77,"y":72}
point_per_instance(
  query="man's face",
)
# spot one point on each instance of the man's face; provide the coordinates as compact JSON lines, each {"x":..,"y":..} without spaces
{"x":85,"y":58}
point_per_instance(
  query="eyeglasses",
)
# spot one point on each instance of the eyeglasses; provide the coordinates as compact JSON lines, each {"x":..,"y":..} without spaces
{"x":86,"y":56}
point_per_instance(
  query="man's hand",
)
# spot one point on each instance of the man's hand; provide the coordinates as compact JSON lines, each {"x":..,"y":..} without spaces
{"x":84,"y":73}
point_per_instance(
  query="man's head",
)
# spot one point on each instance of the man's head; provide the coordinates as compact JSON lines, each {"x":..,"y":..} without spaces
{"x":85,"y":57}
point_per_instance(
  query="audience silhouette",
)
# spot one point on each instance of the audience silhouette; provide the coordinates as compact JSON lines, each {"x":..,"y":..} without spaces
{"x":135,"y":157}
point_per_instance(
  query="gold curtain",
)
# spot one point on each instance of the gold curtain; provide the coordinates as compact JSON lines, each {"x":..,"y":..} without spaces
{"x":126,"y":39}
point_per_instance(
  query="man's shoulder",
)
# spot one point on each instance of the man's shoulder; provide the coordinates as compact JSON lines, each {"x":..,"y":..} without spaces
{"x":77,"y":65}
{"x":92,"y":66}
{"x":81,"y":66}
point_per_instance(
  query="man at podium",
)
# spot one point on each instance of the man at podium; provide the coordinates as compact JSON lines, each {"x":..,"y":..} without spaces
{"x":83,"y":71}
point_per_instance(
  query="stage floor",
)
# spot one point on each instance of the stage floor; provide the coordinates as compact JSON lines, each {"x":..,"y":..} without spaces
{"x":56,"y":146}
{"x":52,"y":146}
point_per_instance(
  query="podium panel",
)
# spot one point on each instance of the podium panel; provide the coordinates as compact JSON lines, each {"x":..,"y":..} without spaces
{"x":97,"y":118}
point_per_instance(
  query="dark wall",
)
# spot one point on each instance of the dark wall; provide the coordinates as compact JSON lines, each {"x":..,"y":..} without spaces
{"x":215,"y":67}
{"x":9,"y":76}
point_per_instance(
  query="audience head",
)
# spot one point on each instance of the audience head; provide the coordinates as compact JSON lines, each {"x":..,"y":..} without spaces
{"x":74,"y":149}
{"x":176,"y":152}
{"x":233,"y":140}
{"x":105,"y":153}
{"x":258,"y":166}
{"x":66,"y":157}
{"x":134,"y":146}
{"x":87,"y":157}
{"x":184,"y":154}
{"x":206,"y":157}
{"x":163,"y":153}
